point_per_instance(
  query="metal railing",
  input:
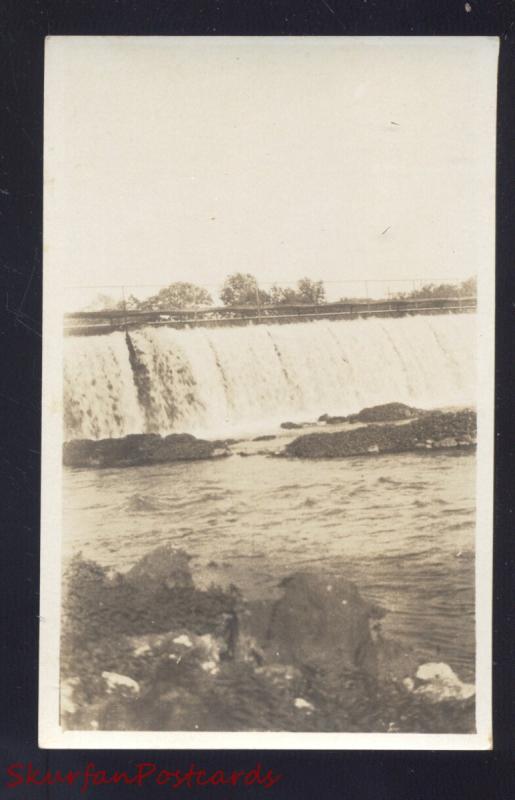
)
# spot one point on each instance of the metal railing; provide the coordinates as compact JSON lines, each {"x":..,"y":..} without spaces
{"x":98,"y":322}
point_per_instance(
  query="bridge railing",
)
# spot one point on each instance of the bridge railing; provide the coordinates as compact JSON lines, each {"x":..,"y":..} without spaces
{"x":97,"y":322}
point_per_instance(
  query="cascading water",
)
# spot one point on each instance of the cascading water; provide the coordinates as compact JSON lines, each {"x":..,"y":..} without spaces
{"x":220,"y":381}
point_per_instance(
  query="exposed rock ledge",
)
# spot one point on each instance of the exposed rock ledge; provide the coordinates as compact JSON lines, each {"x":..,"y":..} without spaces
{"x":149,"y":650}
{"x":433,"y":430}
{"x":409,"y":428}
{"x":387,"y":412}
{"x":139,"y":449}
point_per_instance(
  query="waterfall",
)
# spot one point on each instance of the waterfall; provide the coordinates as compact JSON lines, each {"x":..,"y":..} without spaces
{"x":222,"y":381}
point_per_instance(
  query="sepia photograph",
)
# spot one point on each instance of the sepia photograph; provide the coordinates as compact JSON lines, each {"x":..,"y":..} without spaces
{"x":268,"y":392}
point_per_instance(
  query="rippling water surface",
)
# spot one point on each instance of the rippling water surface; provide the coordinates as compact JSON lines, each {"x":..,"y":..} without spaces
{"x":401,"y":526}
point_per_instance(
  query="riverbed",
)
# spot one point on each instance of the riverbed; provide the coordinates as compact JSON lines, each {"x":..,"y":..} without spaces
{"x":401,"y":526}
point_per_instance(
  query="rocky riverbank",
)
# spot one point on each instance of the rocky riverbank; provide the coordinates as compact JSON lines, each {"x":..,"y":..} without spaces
{"x":389,"y":428}
{"x":432,"y":430}
{"x":150,"y":650}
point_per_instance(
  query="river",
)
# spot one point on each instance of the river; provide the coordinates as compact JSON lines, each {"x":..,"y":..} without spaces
{"x":401,"y":526}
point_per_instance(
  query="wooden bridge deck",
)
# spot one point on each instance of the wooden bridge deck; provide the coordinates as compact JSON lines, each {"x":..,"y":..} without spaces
{"x":86,"y":323}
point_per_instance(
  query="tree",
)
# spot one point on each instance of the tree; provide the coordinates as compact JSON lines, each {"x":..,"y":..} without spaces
{"x":131,"y":304}
{"x":312,"y":292}
{"x":241,"y":289}
{"x":308,"y":292}
{"x":283,"y":295}
{"x":467,"y":288}
{"x":177,"y":295}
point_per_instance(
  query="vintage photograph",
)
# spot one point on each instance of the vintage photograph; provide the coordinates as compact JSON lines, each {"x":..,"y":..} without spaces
{"x":268,"y":392}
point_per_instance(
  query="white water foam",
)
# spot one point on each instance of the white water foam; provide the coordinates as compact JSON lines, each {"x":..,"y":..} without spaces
{"x":223,"y":381}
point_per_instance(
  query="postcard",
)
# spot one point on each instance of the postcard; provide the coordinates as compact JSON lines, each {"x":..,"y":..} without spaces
{"x":268,"y":392}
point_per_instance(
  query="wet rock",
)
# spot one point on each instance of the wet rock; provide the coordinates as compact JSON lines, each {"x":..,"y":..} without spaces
{"x":322,"y":620}
{"x":116,"y":682}
{"x":337,"y":445}
{"x":437,"y":682}
{"x":138,"y":450}
{"x":303,"y":705}
{"x":422,"y":433}
{"x":149,"y":651}
{"x":387,"y":412}
{"x":290,"y":426}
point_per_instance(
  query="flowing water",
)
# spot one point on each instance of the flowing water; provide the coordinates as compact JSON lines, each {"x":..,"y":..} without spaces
{"x":230,"y":380}
{"x":401,"y":526}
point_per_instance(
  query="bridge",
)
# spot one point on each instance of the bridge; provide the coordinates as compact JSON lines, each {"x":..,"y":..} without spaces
{"x":87,"y":323}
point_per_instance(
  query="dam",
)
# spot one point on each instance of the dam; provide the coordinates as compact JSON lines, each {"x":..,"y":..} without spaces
{"x":220,"y":381}
{"x":399,"y":525}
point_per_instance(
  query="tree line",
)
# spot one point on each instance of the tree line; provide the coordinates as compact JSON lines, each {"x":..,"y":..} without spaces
{"x":242,"y":289}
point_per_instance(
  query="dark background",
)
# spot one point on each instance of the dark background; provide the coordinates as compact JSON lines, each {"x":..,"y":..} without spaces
{"x":375,"y":775}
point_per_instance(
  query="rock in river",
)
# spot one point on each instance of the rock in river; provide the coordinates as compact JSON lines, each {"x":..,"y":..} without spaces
{"x":320,"y":618}
{"x":387,"y":412}
{"x":139,"y":449}
{"x":438,"y":429}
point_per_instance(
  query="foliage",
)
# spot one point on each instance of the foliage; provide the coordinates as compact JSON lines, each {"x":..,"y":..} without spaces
{"x":311,"y":291}
{"x":307,"y":292}
{"x":467,"y":288}
{"x":241,"y":289}
{"x":283,"y":295}
{"x":177,"y":295}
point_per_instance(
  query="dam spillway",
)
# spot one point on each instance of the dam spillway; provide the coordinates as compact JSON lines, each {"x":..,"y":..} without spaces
{"x":223,"y":381}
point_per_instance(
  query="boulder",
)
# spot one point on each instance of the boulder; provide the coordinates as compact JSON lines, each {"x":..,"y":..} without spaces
{"x":138,"y":450}
{"x":437,"y":682}
{"x":322,"y":620}
{"x":290,"y":426}
{"x":437,"y":429}
{"x":387,"y":412}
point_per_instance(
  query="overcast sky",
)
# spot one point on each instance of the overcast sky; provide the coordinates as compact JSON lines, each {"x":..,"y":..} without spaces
{"x":340,"y":159}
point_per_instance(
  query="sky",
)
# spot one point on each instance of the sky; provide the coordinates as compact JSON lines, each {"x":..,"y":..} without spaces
{"x":342,"y":159}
